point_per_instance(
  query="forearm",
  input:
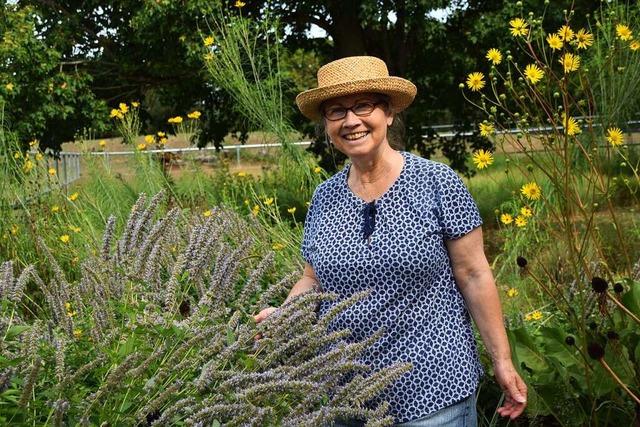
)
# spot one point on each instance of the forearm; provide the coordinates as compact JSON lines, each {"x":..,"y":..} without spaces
{"x":307,"y":282}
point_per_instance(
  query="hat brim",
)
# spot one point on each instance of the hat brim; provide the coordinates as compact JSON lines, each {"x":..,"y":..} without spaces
{"x":401,"y":92}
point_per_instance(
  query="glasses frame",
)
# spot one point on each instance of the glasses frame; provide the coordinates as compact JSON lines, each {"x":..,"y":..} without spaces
{"x":352,"y":109}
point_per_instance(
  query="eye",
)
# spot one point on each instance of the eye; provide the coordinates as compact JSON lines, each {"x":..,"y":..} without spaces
{"x":363,"y":108}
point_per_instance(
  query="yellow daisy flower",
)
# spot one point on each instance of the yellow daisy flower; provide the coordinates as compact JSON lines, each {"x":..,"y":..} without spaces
{"x":142,"y":147}
{"x":52,"y":171}
{"x":584,"y":39}
{"x":494,"y":56}
{"x":531,"y":191}
{"x":268,"y":201}
{"x":73,"y":196}
{"x":55,"y":208}
{"x":554,"y":41}
{"x":64,"y":238}
{"x":194,"y":115}
{"x":506,"y":218}
{"x":475,"y":81}
{"x":208,"y":41}
{"x":565,"y":33}
{"x":624,"y":32}
{"x":207,"y":213}
{"x":149,"y":139}
{"x":124,"y":109}
{"x":240,"y":4}
{"x":292,"y":210}
{"x":9,"y":86}
{"x":635,"y":45}
{"x":521,"y":221}
{"x":518,"y":27}
{"x":512,"y":292}
{"x":242,"y":174}
{"x":102,"y":143}
{"x":533,"y":73}
{"x":615,"y":137}
{"x":277,"y":246}
{"x":526,"y":211}
{"x":486,"y":129}
{"x":482,"y":159}
{"x":536,"y":315}
{"x":317,"y":169}
{"x":570,"y":62}
{"x":571,"y":126}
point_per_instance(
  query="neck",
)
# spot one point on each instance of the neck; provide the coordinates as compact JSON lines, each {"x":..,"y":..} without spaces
{"x":371,"y":178}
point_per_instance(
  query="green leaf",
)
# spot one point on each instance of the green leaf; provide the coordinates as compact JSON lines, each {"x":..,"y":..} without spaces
{"x":631,"y":299}
{"x":526,"y":350}
{"x":15,"y":331}
{"x":230,"y":336}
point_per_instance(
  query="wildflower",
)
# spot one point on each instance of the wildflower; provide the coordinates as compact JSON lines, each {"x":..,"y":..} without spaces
{"x":135,"y":104}
{"x":536,"y":315}
{"x":569,"y":340}
{"x":506,"y":218}
{"x":27,"y":166}
{"x":176,"y":120}
{"x":571,"y":126}
{"x":142,"y":147}
{"x":526,"y":211}
{"x":268,"y":201}
{"x":246,"y":202}
{"x":599,"y":285}
{"x":64,"y":238}
{"x":77,"y":333}
{"x":14,"y":229}
{"x":208,"y":41}
{"x":17,"y":155}
{"x":242,"y":174}
{"x":255,"y":210}
{"x":162,"y":141}
{"x":123,"y":108}
{"x":518,"y":27}
{"x":277,"y":246}
{"x":38,"y":156}
{"x":570,"y":62}
{"x":9,"y":86}
{"x":317,"y":169}
{"x":521,"y":261}
{"x":555,"y":42}
{"x":635,"y":45}
{"x":584,"y":39}
{"x":565,"y":33}
{"x":613,"y":335}
{"x":73,"y":196}
{"x":533,"y":73}
{"x":618,"y":288}
{"x":208,"y":57}
{"x":55,"y":208}
{"x":615,"y":137}
{"x":207,"y":213}
{"x":486,"y":129}
{"x":482,"y":159}
{"x":624,"y":32}
{"x":475,"y":81}
{"x":240,"y":4}
{"x":149,"y":139}
{"x":512,"y":292}
{"x":292,"y":210}
{"x":531,"y":191}
{"x":521,"y":221}
{"x":115,"y":113}
{"x":52,"y":171}
{"x":595,"y":351}
{"x":102,"y":143}
{"x":33,"y":143}
{"x":195,"y":115}
{"x":161,"y":134}
{"x":494,"y":56}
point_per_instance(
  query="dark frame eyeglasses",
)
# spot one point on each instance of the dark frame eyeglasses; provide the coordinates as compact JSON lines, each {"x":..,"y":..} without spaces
{"x":361,"y":109}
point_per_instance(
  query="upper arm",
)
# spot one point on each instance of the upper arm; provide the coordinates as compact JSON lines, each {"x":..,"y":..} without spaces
{"x":468,"y":261}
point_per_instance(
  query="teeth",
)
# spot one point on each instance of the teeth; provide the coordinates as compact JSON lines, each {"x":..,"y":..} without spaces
{"x":354,"y":136}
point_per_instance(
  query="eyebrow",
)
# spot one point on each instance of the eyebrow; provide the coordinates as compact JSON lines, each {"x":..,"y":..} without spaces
{"x":372,"y":99}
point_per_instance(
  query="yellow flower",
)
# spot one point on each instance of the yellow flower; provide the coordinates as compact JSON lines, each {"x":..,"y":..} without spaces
{"x":615,"y":137}
{"x":64,"y":238}
{"x":142,"y":147}
{"x":52,"y":171}
{"x":161,"y":134}
{"x":317,"y":169}
{"x":512,"y":292}
{"x":182,"y":38}
{"x":28,"y":165}
{"x":554,"y":41}
{"x":277,"y":246}
{"x":73,"y":196}
{"x":162,"y":141}
{"x":531,"y":191}
{"x":482,"y":159}
{"x":207,"y":213}
{"x":123,"y":108}
{"x":38,"y":156}
{"x":565,"y":33}
{"x":177,"y":119}
{"x":240,"y":4}
{"x":117,"y":114}
{"x":32,"y":143}
{"x":102,"y":143}
{"x":67,"y":306}
{"x":135,"y":104}
{"x":475,"y":81}
{"x":149,"y":139}
{"x":494,"y":56}
{"x":246,"y":202}
{"x":9,"y":86}
{"x":584,"y":39}
{"x":635,"y":45}
{"x":55,"y":208}
{"x":242,"y":174}
{"x":570,"y":62}
{"x":571,"y":126}
{"x":77,"y":333}
{"x":292,"y":210}
{"x":255,"y":209}
{"x":533,"y":73}
{"x":518,"y":27}
{"x":624,"y":32}
{"x":208,"y":41}
{"x":194,"y":115}
{"x":208,"y":57}
{"x":536,"y":315}
{"x":506,"y":218}
{"x":14,"y":229}
{"x":526,"y":211}
{"x":17,"y":155}
{"x":521,"y":221}
{"x":486,"y":129}
{"x":74,"y":228}
{"x":268,"y":201}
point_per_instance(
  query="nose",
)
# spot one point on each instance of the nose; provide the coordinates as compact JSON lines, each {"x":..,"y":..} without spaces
{"x":351,"y":119}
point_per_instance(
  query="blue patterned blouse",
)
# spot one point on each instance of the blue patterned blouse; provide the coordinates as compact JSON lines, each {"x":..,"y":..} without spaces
{"x":404,"y":263}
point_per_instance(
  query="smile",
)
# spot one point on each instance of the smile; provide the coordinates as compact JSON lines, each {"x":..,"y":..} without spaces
{"x":354,"y":136}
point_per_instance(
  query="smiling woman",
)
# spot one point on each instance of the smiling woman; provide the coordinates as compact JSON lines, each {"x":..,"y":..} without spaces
{"x":406,"y":230}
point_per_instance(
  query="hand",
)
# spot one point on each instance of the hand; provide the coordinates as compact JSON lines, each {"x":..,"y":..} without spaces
{"x":515,"y":390}
{"x":261,"y":316}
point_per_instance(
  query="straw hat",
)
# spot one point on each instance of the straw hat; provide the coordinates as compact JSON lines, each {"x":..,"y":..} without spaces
{"x":355,"y":74}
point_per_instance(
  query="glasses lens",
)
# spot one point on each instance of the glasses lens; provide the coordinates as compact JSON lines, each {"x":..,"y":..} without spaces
{"x":363,"y":108}
{"x":335,"y":113}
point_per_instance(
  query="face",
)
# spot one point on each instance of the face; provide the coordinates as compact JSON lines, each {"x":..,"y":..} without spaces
{"x":358,"y":135}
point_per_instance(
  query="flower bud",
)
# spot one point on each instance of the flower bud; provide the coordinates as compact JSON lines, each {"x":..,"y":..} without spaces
{"x":595,"y":350}
{"x":599,"y":285}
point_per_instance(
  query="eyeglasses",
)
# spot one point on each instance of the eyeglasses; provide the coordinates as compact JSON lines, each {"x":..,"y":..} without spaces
{"x":361,"y":109}
{"x":369,"y":213}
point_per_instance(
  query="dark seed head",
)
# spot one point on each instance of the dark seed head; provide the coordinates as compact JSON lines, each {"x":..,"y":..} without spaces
{"x":618,"y":288}
{"x":595,"y":351}
{"x":522,"y":262}
{"x":593,"y":326}
{"x":570,"y":340}
{"x":599,"y":285}
{"x":613,"y":335}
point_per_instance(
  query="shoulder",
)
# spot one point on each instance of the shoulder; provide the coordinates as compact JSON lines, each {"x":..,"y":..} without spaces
{"x":428,"y":169}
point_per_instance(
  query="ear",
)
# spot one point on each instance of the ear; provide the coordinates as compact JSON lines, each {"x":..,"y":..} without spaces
{"x":390,"y":117}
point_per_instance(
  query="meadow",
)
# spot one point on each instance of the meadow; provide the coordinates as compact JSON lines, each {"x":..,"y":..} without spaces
{"x":126,"y":297}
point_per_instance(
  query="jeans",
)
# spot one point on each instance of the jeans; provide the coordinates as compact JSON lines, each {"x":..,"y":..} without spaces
{"x":460,"y":414}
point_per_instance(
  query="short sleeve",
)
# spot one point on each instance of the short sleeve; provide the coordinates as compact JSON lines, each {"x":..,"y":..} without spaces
{"x":307,"y":248}
{"x":458,"y":212}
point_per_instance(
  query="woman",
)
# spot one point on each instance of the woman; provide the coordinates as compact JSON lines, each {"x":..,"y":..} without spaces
{"x":406,"y":229}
